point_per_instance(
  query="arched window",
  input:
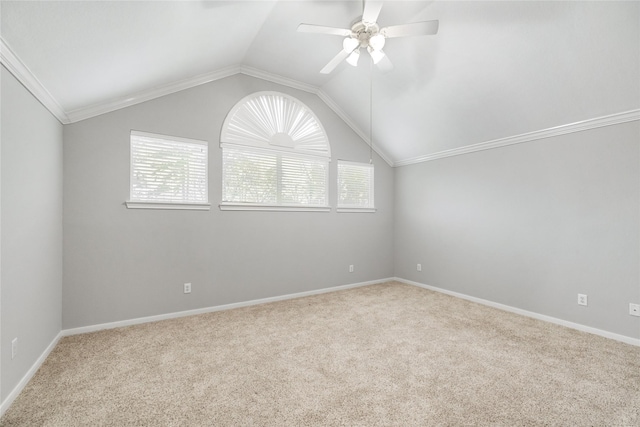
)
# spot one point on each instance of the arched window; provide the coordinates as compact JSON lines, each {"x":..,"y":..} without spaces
{"x":275,"y":155}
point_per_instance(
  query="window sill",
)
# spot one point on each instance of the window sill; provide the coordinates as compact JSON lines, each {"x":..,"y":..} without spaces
{"x":356,"y":210}
{"x":273,"y":208}
{"x":170,"y":206}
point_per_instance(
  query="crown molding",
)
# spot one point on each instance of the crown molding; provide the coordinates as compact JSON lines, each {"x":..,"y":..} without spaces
{"x":345,"y":118}
{"x":147,"y":95}
{"x":612,"y":119}
{"x":26,"y":77}
{"x":275,"y":78}
{"x":21,"y":72}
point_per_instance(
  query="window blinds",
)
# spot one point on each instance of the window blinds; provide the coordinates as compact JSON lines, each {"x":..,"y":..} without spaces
{"x":355,"y":185}
{"x":270,"y":177}
{"x":168,"y":169}
{"x":303,"y":181}
{"x":249,"y":177}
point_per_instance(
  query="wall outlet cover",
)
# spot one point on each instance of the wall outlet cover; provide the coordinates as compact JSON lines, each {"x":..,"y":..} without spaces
{"x":187,"y":288}
{"x":634,"y":309}
{"x":582,"y":299}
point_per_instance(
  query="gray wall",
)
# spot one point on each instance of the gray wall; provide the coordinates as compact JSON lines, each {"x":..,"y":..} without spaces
{"x":31,"y":229}
{"x":124,"y":263}
{"x":531,"y":225}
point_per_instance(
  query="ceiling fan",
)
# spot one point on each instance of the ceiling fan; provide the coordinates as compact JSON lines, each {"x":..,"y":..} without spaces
{"x":367,"y":34}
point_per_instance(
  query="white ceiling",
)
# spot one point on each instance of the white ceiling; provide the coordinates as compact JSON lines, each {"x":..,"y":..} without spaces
{"x":494,"y":70}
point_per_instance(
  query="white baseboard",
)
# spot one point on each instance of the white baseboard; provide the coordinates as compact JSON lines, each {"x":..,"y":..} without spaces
{"x":577,"y":326}
{"x":129,"y":322}
{"x":67,"y":332}
{"x":30,"y":373}
{"x":75,"y":331}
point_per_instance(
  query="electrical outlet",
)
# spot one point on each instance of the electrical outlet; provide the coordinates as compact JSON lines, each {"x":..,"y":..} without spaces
{"x":187,"y":288}
{"x":14,"y":347}
{"x":582,"y":299}
{"x":351,"y":268}
{"x":634,"y":309}
{"x":419,"y":267}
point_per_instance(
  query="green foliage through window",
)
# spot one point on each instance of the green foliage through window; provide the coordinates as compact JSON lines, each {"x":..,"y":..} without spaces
{"x":168,"y":170}
{"x":355,"y":185}
{"x":273,"y":178}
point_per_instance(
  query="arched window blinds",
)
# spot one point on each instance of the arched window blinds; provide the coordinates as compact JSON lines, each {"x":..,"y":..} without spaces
{"x":275,"y":155}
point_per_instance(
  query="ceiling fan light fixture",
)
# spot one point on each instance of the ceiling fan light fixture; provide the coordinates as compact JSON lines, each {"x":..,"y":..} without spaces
{"x":349,"y":44}
{"x":377,"y":42}
{"x":366,"y":33}
{"x":376,"y":55}
{"x":353,"y":58}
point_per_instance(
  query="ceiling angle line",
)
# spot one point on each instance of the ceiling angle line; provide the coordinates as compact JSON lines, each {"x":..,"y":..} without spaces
{"x":23,"y":74}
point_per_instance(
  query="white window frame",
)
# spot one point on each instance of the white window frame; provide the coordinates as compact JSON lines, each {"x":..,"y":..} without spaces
{"x":233,"y":136}
{"x":279,"y":206}
{"x":166,"y":204}
{"x":341,"y":207}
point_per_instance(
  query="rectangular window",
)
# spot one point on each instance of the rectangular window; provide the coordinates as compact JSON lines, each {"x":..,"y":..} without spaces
{"x":273,"y":180}
{"x":168,"y":172}
{"x":355,"y":187}
{"x":249,"y":177}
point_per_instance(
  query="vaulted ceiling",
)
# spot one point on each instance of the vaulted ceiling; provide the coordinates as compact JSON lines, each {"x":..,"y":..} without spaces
{"x":495,"y":70}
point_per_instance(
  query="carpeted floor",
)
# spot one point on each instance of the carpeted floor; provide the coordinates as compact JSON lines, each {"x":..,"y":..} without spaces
{"x":388,"y":354}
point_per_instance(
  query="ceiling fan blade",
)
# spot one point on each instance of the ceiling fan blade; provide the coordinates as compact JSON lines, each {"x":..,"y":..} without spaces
{"x":415,"y":29}
{"x":385,"y":64}
{"x":341,"y":56}
{"x":371,"y":11}
{"x":320,"y":29}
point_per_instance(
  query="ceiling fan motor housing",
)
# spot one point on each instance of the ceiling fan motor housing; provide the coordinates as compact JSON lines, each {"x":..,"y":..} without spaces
{"x":363,"y":32}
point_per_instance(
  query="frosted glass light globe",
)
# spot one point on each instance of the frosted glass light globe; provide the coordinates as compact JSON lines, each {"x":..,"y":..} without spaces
{"x":349,"y":44}
{"x":377,"y":42}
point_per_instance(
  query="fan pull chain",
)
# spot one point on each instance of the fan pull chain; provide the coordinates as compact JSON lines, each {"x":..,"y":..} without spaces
{"x":371,"y":113}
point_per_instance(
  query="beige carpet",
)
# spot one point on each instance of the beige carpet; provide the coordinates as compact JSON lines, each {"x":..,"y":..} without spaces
{"x":389,"y":354}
